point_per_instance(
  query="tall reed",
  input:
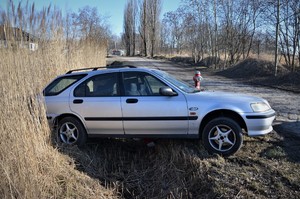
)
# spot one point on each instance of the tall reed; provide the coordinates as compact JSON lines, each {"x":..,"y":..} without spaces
{"x":30,"y":167}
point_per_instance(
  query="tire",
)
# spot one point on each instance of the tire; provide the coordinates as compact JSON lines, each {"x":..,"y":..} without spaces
{"x":71,"y":132}
{"x":223,"y":136}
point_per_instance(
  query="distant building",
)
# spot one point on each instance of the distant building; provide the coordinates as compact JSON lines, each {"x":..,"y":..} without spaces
{"x":10,"y":37}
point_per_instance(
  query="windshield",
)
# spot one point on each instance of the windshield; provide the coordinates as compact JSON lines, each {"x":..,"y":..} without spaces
{"x":184,"y":86}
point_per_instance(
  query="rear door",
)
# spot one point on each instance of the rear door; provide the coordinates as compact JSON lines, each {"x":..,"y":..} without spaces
{"x":146,"y":112}
{"x":97,"y":101}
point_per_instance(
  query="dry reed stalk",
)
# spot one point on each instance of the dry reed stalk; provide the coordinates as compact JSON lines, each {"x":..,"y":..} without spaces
{"x":30,"y":167}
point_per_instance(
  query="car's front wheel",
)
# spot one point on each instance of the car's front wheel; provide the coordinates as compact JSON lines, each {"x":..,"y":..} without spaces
{"x":222,"y":136}
{"x":71,"y":131}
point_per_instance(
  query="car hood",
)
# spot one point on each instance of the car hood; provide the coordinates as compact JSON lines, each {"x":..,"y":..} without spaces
{"x":223,"y":100}
{"x":232,"y":97}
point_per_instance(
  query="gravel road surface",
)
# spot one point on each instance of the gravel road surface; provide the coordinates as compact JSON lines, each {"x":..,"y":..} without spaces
{"x":286,"y":104}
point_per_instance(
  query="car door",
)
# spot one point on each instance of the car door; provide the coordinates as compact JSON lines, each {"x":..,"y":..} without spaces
{"x":97,"y":101}
{"x":146,"y":112}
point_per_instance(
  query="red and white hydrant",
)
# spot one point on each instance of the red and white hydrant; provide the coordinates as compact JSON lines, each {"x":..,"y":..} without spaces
{"x":197,"y":79}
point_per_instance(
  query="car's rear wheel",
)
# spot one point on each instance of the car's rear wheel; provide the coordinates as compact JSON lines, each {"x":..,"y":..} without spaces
{"x":222,"y":136}
{"x":71,"y":131}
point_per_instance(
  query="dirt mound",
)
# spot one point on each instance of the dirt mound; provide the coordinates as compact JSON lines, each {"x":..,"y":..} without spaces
{"x":251,"y":68}
{"x":187,"y":60}
{"x":262,"y":72}
{"x":289,"y":81}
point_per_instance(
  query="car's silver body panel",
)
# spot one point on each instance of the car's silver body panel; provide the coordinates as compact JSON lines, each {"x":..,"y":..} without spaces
{"x":108,"y":107}
{"x":155,"y":115}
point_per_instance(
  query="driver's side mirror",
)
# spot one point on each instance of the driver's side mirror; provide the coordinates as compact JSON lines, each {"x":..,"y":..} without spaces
{"x":167,"y":91}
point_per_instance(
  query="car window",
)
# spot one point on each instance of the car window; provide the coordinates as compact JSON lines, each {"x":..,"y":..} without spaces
{"x":141,"y":84}
{"x":104,"y":85}
{"x":61,"y":84}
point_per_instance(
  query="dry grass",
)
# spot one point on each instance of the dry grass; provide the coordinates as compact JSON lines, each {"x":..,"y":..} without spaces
{"x":263,"y":168}
{"x":30,"y":167}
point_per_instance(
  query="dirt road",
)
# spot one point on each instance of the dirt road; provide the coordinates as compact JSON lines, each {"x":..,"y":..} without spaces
{"x":286,"y":104}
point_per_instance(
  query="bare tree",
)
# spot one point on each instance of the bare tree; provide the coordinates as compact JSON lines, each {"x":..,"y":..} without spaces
{"x":149,"y":12}
{"x":196,"y":30}
{"x":277,"y":35}
{"x":234,"y":30}
{"x":90,"y":24}
{"x":127,"y":36}
{"x":129,"y":27}
{"x":154,"y":9}
{"x":143,"y":29}
{"x":175,"y":21}
{"x":165,"y":41}
{"x":289,"y":31}
{"x":216,"y":49}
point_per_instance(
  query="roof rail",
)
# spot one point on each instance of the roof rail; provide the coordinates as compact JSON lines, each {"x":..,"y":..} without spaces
{"x":81,"y":69}
{"x":103,"y":67}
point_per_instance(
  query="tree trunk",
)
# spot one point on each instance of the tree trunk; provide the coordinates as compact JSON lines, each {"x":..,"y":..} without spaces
{"x":277,"y":35}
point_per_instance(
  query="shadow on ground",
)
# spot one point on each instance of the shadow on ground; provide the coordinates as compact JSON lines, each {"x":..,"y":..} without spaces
{"x":173,"y":168}
{"x":264,"y":168}
{"x":290,"y":142}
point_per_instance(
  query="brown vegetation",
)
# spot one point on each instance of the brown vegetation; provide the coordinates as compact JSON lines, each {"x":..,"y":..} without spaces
{"x":265,"y":168}
{"x":30,"y":166}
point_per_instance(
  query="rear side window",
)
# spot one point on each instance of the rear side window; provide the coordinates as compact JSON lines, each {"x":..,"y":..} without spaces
{"x":104,"y":85}
{"x":61,"y":84}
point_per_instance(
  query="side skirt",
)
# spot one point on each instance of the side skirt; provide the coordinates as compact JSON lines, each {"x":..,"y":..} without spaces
{"x":181,"y":136}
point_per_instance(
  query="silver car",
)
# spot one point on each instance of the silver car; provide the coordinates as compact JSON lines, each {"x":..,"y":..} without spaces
{"x":147,"y":103}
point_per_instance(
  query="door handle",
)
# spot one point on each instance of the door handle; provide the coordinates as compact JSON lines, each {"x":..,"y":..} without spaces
{"x":77,"y":101}
{"x":131,"y":101}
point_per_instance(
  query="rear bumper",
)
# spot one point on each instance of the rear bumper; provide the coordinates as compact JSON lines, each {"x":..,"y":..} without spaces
{"x":51,"y":120}
{"x":259,"y":124}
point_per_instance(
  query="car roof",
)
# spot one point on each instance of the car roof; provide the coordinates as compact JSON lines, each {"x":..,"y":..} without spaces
{"x":104,"y":69}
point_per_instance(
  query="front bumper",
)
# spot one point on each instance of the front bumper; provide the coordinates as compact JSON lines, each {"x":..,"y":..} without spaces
{"x":259,"y":123}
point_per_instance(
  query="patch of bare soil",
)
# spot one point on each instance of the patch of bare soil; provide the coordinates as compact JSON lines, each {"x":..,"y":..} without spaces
{"x":262,"y":72}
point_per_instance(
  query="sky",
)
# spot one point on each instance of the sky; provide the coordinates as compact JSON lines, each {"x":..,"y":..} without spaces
{"x":113,"y":9}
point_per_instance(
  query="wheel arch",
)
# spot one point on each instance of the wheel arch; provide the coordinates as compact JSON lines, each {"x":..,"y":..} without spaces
{"x":222,"y":113}
{"x":60,"y":117}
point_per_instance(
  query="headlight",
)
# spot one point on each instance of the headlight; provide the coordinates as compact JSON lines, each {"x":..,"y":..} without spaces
{"x":260,"y":107}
